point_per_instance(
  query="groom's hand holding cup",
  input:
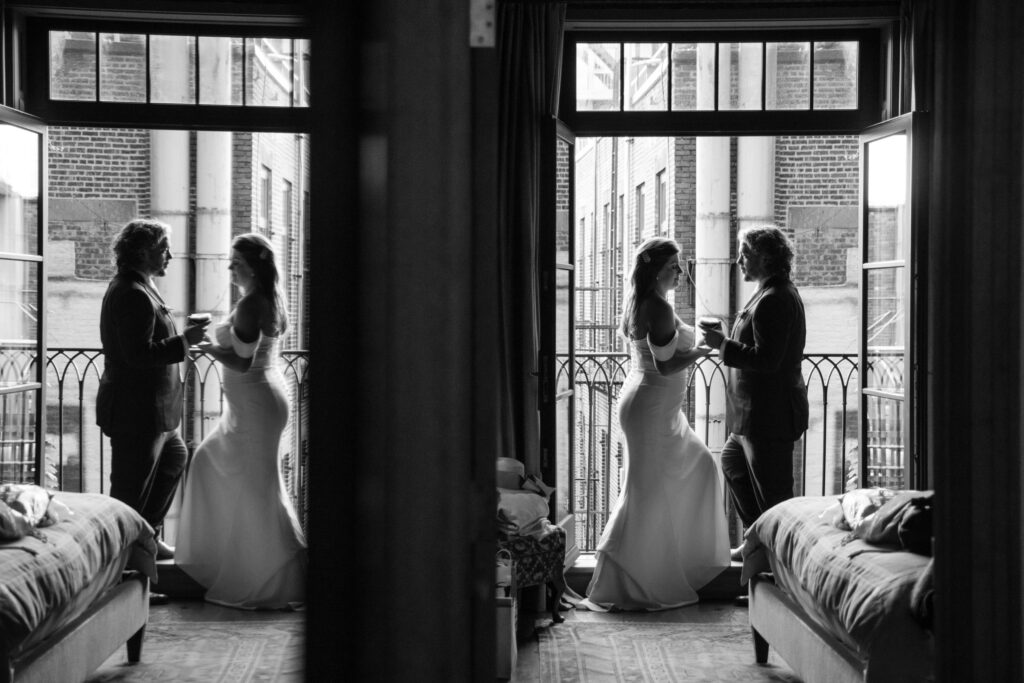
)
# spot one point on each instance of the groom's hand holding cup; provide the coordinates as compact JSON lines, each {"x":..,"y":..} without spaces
{"x":195,"y":327}
{"x":712,"y":329}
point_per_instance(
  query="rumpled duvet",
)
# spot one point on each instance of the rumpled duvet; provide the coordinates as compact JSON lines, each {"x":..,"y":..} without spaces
{"x":40,"y":576}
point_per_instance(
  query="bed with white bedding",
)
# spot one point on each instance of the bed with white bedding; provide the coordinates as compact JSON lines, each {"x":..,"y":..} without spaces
{"x":835,"y":606}
{"x":73,"y":592}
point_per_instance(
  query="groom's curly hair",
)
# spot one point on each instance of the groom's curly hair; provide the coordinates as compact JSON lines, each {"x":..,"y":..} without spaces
{"x":135,"y":239}
{"x":651,"y":256}
{"x":772,"y":245}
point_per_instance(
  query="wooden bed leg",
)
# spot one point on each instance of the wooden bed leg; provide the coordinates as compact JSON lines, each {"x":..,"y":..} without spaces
{"x":760,"y":647}
{"x":135,"y":646}
{"x":557,"y":588}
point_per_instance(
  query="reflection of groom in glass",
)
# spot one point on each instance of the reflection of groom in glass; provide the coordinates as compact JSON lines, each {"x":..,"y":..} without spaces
{"x":766,"y":395}
{"x":139,"y":400}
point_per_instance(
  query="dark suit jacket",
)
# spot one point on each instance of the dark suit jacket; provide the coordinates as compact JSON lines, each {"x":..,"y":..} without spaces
{"x":766,"y":395}
{"x":140,"y":390}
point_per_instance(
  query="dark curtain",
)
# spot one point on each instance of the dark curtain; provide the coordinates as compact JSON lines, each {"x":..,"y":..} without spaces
{"x":529,"y":55}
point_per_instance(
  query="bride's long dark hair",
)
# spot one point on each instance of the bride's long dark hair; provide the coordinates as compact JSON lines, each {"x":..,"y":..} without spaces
{"x":651,"y":256}
{"x":258,"y":253}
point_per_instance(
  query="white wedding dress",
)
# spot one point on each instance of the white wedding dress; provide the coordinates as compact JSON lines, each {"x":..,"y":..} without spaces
{"x":239,"y":536}
{"x":667,"y":534}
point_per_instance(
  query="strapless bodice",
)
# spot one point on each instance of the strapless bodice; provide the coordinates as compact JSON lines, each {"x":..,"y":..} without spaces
{"x":266,"y":354}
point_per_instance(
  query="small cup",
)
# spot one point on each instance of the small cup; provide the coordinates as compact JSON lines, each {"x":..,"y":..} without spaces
{"x":708,"y":323}
{"x":200,"y":318}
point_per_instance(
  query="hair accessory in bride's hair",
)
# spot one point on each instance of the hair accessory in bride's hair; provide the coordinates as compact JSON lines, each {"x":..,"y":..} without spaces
{"x":646,"y":256}
{"x":264,"y":254}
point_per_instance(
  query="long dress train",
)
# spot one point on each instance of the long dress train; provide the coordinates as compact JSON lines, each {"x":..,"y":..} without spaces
{"x":667,"y":534}
{"x":239,"y":536}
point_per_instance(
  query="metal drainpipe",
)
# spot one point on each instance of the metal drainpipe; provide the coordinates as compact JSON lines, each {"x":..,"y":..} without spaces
{"x":712,"y":238}
{"x":213,"y":190}
{"x":755,"y":162}
{"x":169,"y":201}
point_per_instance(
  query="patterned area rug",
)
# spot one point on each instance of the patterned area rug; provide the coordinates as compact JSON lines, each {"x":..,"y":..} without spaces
{"x":653,"y":652}
{"x":213,"y":651}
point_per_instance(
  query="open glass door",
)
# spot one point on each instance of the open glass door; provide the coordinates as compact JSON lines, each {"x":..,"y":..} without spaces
{"x":22,"y":283}
{"x":557,"y":356}
{"x":890,"y":350}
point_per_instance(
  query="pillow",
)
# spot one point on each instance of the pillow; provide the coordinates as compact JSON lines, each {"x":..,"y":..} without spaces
{"x":904,"y":521}
{"x":13,"y":524}
{"x":858,"y":505}
{"x":520,"y":508}
{"x":28,"y":499}
{"x":26,"y":507}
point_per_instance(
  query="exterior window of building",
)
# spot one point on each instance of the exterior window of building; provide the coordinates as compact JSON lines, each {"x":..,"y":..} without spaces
{"x":660,"y":199}
{"x":266,"y":187}
{"x":287,"y":209}
{"x":638,"y":227}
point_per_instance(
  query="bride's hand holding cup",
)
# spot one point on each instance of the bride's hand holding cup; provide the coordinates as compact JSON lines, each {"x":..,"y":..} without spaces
{"x":195,"y":327}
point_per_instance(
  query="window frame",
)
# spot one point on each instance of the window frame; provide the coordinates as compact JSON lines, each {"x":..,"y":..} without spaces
{"x":254,"y":118}
{"x":624,"y":123}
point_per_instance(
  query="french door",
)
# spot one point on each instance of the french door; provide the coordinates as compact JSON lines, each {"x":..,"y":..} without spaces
{"x":892,"y":240}
{"x":22,"y":293}
{"x":557,"y":361}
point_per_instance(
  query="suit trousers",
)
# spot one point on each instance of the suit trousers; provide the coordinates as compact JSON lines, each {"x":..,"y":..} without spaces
{"x":145,"y":470}
{"x":759,"y":473}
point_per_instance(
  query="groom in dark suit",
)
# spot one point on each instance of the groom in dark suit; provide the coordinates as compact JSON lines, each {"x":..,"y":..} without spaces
{"x":766,"y":395}
{"x":139,"y":400}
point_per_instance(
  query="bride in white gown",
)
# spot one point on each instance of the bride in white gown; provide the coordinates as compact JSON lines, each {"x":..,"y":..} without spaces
{"x":667,"y":535}
{"x":239,"y":536}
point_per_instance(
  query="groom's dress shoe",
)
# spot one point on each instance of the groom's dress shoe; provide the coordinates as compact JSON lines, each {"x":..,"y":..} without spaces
{"x":158,"y":599}
{"x":164,"y":551}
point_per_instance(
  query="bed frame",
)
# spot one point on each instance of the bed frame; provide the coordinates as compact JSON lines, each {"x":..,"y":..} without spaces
{"x":812,"y":652}
{"x":77,"y":649}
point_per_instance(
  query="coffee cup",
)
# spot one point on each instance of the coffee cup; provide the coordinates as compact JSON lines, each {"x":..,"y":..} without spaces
{"x":200,"y":318}
{"x":708,"y":323}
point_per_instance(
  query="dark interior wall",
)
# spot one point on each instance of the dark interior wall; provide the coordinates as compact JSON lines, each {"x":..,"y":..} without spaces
{"x":398,"y":234}
{"x":974,"y":304}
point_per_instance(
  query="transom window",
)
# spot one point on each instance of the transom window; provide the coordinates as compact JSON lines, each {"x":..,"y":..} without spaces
{"x":178,"y":69}
{"x":718,"y":76}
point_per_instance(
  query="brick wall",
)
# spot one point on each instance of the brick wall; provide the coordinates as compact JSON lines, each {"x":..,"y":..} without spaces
{"x":98,"y":179}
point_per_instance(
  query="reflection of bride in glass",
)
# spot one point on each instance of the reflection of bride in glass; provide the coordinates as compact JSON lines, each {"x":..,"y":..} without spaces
{"x":239,"y":535}
{"x":666,"y":536}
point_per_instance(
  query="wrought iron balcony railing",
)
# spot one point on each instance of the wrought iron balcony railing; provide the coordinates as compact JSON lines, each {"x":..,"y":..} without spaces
{"x":828,"y":459}
{"x":77,"y":455}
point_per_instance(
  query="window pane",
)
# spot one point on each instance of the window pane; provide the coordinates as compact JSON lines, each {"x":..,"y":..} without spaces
{"x":220,"y":70}
{"x":18,"y":434}
{"x":886,"y":198}
{"x":300,"y":82}
{"x":684,"y":76}
{"x":646,"y":76}
{"x":886,"y":466}
{"x":19,"y":314}
{"x":835,"y":75}
{"x":563,"y":441}
{"x":122,"y":67}
{"x":598,"y":70}
{"x":739,"y":76}
{"x":788,"y":76}
{"x":562,"y":337}
{"x":886,"y":328}
{"x":72,"y":65}
{"x":172,"y":68}
{"x":268,"y":72}
{"x":19,"y":192}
